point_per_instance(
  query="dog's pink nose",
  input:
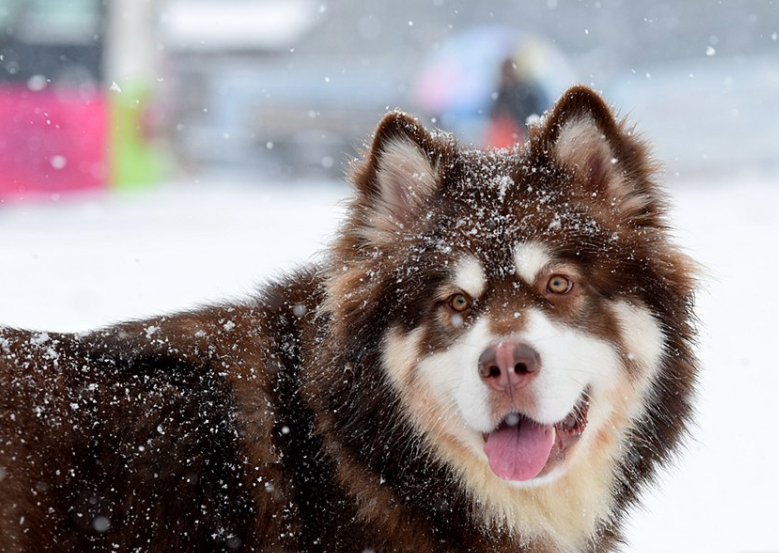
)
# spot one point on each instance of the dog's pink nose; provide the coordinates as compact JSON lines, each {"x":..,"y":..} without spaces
{"x":508,"y":365}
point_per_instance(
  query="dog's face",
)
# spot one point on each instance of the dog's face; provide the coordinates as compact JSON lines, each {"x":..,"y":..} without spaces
{"x":532,"y":363}
{"x":524,"y":300}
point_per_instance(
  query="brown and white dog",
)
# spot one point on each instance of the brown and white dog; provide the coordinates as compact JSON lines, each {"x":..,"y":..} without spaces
{"x":496,"y":356}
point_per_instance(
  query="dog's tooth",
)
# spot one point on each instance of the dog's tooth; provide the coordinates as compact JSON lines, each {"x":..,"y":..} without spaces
{"x":512,"y":419}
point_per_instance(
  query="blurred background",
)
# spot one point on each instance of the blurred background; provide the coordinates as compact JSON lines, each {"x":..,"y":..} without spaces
{"x":156,"y":155}
{"x":99,"y":94}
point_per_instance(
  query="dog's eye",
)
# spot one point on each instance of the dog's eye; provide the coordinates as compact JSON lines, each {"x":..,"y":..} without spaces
{"x":559,"y":284}
{"x":459,"y":303}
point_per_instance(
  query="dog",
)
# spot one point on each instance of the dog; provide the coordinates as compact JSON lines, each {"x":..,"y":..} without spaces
{"x":496,"y":354}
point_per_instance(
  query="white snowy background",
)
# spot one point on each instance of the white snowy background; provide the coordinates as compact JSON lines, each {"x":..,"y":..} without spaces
{"x":82,"y":263}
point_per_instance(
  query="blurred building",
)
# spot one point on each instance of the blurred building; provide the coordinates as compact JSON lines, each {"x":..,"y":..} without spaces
{"x":299,"y":98}
{"x":245,"y":89}
{"x":105,"y":93}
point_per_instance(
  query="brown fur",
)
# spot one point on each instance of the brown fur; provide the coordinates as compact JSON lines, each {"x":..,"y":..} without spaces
{"x":277,"y":425}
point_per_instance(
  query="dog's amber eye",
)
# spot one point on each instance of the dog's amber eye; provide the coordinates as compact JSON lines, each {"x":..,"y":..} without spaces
{"x":459,"y":303}
{"x":559,"y":284}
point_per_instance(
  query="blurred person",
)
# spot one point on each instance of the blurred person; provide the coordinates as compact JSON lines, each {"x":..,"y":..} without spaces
{"x":516,"y":100}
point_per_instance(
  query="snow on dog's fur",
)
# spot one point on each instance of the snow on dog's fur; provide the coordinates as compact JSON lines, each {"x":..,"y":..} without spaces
{"x":496,"y":356}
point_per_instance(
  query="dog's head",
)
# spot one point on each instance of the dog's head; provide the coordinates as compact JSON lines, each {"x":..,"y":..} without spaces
{"x":530,"y":312}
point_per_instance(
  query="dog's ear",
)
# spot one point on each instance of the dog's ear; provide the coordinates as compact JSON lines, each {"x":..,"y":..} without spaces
{"x":608,"y":162}
{"x":401,"y":172}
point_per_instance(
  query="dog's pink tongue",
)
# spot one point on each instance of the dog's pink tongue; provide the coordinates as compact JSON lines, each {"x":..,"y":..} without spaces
{"x":519,"y":452}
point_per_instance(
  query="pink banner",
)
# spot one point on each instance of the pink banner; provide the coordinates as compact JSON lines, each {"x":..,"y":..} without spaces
{"x":51,"y":141}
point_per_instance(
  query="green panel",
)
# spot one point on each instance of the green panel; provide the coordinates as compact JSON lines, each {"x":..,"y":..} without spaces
{"x":136,"y":160}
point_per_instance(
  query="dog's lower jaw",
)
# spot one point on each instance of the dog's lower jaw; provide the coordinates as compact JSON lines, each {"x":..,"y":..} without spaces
{"x":565,"y":506}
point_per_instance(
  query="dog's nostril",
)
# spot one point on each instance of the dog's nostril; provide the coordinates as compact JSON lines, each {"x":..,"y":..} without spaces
{"x":489,"y":371}
{"x":521,"y":368}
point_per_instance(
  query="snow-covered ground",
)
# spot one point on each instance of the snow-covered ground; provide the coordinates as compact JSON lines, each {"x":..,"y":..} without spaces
{"x":79,"y":264}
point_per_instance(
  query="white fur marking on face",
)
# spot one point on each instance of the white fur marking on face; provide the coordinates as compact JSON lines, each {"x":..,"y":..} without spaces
{"x":642,"y":335}
{"x":444,"y":375}
{"x":454,"y":375}
{"x":469,"y":276}
{"x":645,"y":345}
{"x":530,"y":259}
{"x":571,"y":360}
{"x":401,"y":354}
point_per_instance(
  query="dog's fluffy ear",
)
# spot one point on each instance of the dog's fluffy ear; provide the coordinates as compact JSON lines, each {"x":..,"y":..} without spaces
{"x":401,"y":172}
{"x":606,"y":159}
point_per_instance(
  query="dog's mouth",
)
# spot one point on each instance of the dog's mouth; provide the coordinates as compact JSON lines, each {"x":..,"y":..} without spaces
{"x":521,"y":449}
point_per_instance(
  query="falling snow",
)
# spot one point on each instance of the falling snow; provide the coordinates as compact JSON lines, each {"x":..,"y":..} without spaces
{"x":124,"y":281}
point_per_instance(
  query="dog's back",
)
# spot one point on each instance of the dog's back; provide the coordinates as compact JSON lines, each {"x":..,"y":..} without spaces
{"x":135,"y":436}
